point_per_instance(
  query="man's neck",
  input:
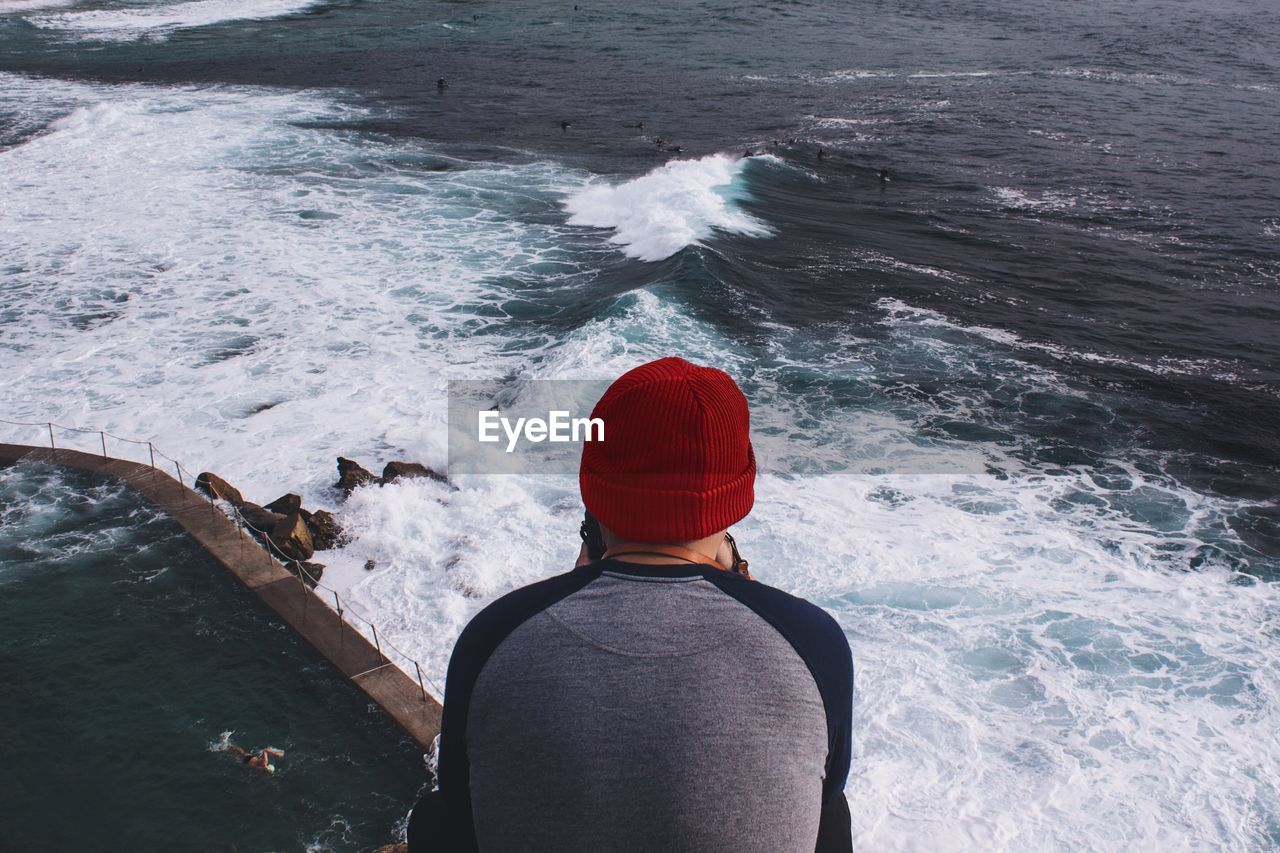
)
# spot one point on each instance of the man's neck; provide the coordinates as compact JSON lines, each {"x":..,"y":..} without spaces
{"x":707,"y":546}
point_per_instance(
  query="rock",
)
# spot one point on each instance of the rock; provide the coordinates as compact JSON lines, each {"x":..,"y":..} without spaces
{"x":311,"y":573}
{"x":258,"y":518}
{"x":286,"y":504}
{"x":219,"y":489}
{"x":409,"y":470}
{"x":292,"y":536}
{"x":351,"y":476}
{"x":326,"y":533}
{"x":370,"y":565}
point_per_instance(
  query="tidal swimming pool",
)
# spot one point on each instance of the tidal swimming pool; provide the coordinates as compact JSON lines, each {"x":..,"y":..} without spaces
{"x":128,"y":660}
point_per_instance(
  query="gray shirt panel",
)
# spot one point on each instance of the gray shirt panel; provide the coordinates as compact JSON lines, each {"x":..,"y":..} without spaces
{"x":646,"y":713}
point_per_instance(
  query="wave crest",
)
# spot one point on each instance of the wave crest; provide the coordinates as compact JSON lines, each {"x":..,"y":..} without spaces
{"x":676,"y":205}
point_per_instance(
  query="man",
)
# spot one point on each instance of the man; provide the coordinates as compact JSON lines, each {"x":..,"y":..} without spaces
{"x":652,"y":700}
{"x":261,"y":760}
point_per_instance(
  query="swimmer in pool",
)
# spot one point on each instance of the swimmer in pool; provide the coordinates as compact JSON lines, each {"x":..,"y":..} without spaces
{"x":260,"y":760}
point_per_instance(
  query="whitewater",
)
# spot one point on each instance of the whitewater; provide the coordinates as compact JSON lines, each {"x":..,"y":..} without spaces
{"x":228,"y":273}
{"x":154,"y":22}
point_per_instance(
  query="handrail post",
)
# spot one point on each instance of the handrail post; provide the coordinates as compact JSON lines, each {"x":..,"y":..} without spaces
{"x":102,"y":435}
{"x":381,"y":656}
{"x":342,"y":625}
{"x":52,"y":446}
{"x":420,"y":684}
{"x":178,"y":468}
{"x":152,"y":450}
{"x":302,"y":583}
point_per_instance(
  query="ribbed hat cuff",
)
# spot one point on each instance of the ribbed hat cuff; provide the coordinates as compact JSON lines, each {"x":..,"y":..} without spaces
{"x":663,"y":514}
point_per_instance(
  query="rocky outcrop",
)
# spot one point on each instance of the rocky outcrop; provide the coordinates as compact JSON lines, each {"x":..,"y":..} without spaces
{"x":286,"y":504}
{"x":351,"y":476}
{"x":326,"y":533}
{"x":292,"y":536}
{"x":311,"y":573}
{"x":259,"y":518}
{"x":295,"y":533}
{"x":219,"y":489}
{"x":410,"y":470}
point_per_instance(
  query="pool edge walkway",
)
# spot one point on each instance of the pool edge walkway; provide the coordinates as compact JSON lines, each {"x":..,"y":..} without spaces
{"x":390,"y":688}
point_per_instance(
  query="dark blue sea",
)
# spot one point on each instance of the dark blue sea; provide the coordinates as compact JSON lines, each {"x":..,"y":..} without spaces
{"x":1001,"y":281}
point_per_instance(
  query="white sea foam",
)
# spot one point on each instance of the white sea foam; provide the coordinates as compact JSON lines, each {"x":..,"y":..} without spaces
{"x":222,"y":743}
{"x":355,"y":273}
{"x":1021,"y":200}
{"x":1035,"y":672}
{"x":158,"y":20}
{"x":846,"y":74}
{"x":1142,"y":77}
{"x":886,"y":261}
{"x":1037,"y":667}
{"x":1221,"y":370}
{"x":11,"y":6}
{"x":679,"y":204}
{"x":947,"y":75}
{"x":854,"y":74}
{"x":839,"y":122}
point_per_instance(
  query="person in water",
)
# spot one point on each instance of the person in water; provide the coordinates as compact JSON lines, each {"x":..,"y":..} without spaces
{"x":655,"y":697}
{"x":260,"y":759}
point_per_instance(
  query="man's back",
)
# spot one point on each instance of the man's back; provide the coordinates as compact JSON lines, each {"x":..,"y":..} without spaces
{"x":639,"y":707}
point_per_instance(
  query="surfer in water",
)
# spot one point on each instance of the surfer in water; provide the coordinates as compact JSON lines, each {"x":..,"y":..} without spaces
{"x":884,"y":176}
{"x":260,"y":760}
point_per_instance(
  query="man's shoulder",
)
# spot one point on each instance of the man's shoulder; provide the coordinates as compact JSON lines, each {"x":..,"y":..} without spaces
{"x":773,"y":603}
{"x":508,"y":612}
{"x":812,"y":632}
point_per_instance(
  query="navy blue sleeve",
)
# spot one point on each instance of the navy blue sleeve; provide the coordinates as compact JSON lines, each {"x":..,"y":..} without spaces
{"x":821,"y":643}
{"x":445,"y":822}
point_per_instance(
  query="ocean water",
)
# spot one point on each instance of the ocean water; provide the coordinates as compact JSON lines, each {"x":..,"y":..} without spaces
{"x":1021,"y":399}
{"x":129,"y":661}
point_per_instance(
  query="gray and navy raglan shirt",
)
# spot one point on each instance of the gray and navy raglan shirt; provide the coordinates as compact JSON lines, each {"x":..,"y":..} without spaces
{"x":628,"y":707}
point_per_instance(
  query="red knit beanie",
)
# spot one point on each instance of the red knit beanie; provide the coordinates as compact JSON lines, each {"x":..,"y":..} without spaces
{"x":676,"y":463}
